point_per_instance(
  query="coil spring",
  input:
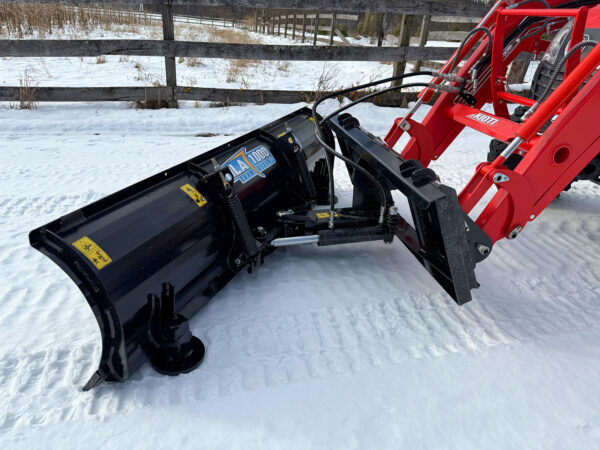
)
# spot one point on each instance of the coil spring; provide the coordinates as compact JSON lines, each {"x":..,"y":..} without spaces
{"x":246,"y":239}
{"x":307,"y":181}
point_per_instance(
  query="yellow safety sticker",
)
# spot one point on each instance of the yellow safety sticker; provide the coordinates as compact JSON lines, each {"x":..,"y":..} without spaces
{"x":93,"y":252}
{"x":313,"y":121}
{"x":194,"y":194}
{"x":325,"y":215}
{"x":281,"y":134}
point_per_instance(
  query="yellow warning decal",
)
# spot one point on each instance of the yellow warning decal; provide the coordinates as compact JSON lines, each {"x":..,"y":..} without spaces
{"x":312,"y":119}
{"x":325,"y":215}
{"x":194,"y":194}
{"x":281,"y":134}
{"x":93,"y":252}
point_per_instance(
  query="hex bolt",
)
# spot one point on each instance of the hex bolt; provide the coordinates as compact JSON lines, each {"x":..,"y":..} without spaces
{"x":483,"y":249}
{"x":515,"y":232}
{"x":261,"y":232}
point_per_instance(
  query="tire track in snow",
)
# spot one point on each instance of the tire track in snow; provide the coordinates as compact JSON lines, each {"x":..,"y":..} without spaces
{"x":259,"y":353}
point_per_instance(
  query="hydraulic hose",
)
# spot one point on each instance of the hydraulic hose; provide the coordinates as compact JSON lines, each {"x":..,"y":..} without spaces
{"x":562,"y":62}
{"x":546,"y":21}
{"x":332,"y":152}
{"x":466,"y":39}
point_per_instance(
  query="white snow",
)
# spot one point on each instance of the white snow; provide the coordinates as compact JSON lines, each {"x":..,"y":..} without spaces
{"x":204,"y":72}
{"x":351,"y":347}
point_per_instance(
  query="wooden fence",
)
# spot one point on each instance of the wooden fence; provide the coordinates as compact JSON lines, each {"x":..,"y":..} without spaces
{"x":303,"y":23}
{"x":170,"y":49}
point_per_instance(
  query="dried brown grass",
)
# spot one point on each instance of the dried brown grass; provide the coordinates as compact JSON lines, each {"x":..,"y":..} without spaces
{"x":27,"y":88}
{"x":30,"y":19}
{"x":147,"y":103}
{"x":237,"y":67}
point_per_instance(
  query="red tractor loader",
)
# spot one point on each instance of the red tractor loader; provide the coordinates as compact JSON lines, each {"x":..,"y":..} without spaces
{"x":147,"y":258}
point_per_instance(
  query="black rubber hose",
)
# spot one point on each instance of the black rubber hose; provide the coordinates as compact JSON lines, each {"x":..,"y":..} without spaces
{"x":332,"y":152}
{"x":370,"y":96}
{"x":562,"y":62}
{"x":367,"y":85}
{"x":349,"y":161}
{"x":466,"y":39}
{"x":546,"y":21}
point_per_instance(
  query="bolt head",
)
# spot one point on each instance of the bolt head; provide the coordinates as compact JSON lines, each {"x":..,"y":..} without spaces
{"x":229,"y":177}
{"x":483,"y":249}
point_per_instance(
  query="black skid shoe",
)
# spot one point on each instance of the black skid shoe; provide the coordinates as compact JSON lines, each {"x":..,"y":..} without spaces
{"x":177,"y":350}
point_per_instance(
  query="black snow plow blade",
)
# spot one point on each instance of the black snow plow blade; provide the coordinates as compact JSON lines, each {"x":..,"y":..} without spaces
{"x":147,"y":258}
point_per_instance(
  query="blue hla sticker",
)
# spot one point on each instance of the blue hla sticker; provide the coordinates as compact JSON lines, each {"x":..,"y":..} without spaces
{"x":247,"y":164}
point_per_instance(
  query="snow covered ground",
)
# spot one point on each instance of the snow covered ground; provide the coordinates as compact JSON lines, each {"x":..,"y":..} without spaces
{"x":345,"y":347}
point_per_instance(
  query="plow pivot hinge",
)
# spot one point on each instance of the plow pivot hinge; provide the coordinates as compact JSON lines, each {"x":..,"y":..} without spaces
{"x":177,"y":350}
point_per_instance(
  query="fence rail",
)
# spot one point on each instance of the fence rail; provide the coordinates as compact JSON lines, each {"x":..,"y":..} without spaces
{"x":140,"y":93}
{"x":77,"y":48}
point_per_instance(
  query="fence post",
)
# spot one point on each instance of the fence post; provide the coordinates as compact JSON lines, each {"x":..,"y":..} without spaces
{"x":316,"y":28}
{"x":332,"y":28}
{"x":403,"y":41}
{"x":286,"y":26}
{"x":380,"y":30}
{"x":256,"y":20}
{"x":278,"y":25}
{"x":169,"y":35}
{"x":423,"y":38}
{"x":294,"y":27}
{"x":303,"y":26}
